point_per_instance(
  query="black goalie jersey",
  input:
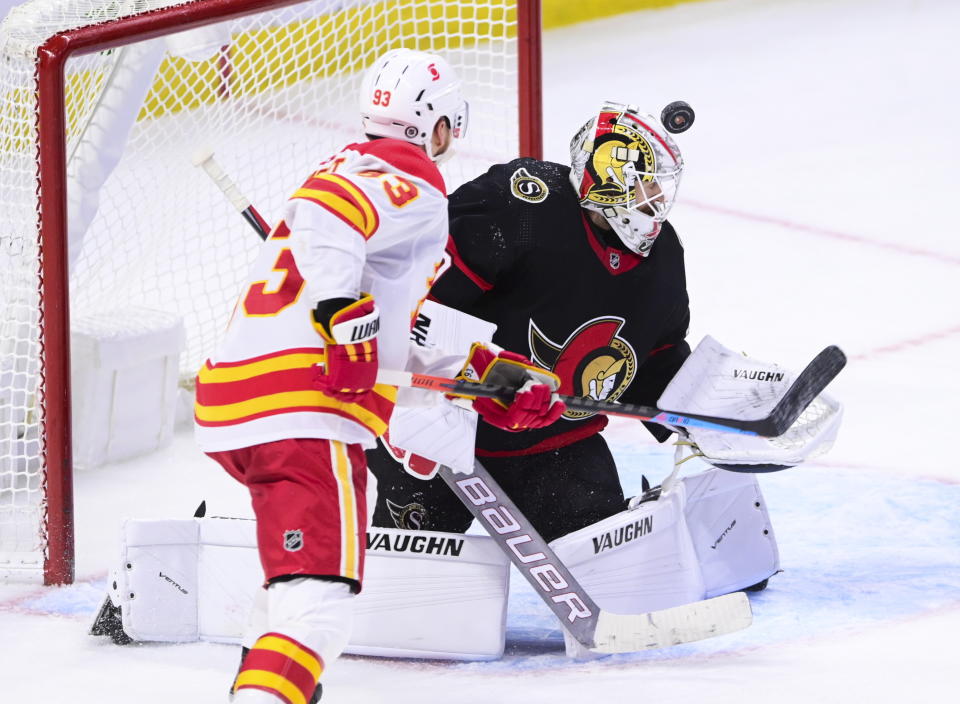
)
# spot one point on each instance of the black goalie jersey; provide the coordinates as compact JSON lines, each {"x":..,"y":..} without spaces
{"x":609,"y":323}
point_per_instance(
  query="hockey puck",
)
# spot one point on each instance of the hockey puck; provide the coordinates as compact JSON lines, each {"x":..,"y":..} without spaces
{"x":677,"y":117}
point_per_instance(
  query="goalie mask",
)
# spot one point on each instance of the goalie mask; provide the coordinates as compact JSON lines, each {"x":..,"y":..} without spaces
{"x":405,"y":93}
{"x":625,"y":166}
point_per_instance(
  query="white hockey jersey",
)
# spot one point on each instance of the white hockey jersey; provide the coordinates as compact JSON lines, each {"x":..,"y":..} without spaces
{"x":372,"y":219}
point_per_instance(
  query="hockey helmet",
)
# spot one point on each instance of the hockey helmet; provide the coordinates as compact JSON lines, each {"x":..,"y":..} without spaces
{"x":625,"y":166}
{"x":405,"y":93}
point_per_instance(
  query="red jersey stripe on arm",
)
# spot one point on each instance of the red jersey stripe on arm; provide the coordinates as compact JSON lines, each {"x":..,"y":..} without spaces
{"x":458,"y":262}
{"x":341,"y":197}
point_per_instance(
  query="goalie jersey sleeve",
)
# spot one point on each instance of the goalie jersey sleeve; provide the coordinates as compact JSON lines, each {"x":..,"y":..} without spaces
{"x":612,"y":325}
{"x":372,"y":219}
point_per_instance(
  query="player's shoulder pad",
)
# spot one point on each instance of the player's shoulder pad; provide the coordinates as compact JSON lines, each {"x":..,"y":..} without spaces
{"x":404,"y":157}
{"x":534,"y":181}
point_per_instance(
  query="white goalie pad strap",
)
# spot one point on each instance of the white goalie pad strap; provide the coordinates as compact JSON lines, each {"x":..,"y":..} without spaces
{"x":719,"y":382}
{"x":425,"y":594}
{"x":635,"y":561}
{"x":730,"y":529}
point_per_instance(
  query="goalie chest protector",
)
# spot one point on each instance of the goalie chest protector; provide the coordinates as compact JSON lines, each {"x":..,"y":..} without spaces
{"x":609,"y":323}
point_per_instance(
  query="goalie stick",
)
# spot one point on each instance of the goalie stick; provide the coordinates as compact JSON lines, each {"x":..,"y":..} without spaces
{"x":806,"y":387}
{"x":595,"y":629}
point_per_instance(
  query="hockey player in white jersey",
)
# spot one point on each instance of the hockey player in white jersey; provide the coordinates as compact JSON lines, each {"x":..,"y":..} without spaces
{"x":289,"y":402}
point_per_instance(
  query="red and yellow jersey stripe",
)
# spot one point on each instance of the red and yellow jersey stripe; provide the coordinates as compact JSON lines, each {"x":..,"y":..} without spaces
{"x":231,"y":393}
{"x":341,"y":197}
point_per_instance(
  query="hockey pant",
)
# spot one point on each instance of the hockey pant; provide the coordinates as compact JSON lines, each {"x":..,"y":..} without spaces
{"x":309,"y":499}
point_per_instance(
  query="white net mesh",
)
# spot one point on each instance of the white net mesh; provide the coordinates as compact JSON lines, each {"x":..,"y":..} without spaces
{"x":270,"y":93}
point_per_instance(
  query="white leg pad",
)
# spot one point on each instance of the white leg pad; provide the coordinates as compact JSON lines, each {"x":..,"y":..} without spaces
{"x":426,"y":594}
{"x":731,"y":530}
{"x":432,"y":595}
{"x":636,"y":561}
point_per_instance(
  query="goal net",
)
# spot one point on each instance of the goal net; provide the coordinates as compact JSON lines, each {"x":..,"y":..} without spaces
{"x":104,"y":102}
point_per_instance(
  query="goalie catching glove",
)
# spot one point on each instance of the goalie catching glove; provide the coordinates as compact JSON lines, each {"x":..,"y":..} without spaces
{"x":535,"y":404}
{"x":716,"y":381}
{"x":349,"y":330}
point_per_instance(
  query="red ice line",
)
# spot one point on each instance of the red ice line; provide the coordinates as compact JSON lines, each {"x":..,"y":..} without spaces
{"x":857,"y":239}
{"x":14,"y":605}
{"x":900,"y":346}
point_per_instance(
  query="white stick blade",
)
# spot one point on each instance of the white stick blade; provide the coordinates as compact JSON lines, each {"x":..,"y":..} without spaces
{"x":628,"y":633}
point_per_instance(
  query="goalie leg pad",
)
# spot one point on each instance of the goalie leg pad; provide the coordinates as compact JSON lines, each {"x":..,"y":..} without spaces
{"x":731,"y":530}
{"x":432,"y":595}
{"x":426,"y":595}
{"x":187,"y":580}
{"x":637,"y":560}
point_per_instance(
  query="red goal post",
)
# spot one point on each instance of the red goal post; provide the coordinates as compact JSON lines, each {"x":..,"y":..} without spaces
{"x":101,"y":203}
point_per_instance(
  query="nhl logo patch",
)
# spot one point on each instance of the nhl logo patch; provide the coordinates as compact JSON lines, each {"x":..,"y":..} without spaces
{"x":614,"y":260}
{"x":527,"y":187}
{"x":292,"y":540}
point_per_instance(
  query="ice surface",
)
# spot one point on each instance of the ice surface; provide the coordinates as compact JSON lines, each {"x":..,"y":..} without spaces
{"x":815,"y":211}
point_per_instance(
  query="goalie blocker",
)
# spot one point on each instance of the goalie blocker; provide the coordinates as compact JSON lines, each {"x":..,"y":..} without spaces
{"x":444,"y":595}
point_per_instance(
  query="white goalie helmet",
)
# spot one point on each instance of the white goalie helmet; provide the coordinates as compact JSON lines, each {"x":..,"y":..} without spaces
{"x":405,"y":93}
{"x":625,"y":166}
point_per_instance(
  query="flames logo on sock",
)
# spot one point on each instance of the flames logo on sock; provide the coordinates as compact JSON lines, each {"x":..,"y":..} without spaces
{"x":593,"y":362}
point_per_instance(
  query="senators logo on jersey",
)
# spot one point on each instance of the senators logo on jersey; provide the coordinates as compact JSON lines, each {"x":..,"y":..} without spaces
{"x":527,"y":187}
{"x":593,"y":362}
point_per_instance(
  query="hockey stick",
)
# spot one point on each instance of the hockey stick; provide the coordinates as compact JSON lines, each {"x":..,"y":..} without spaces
{"x":203,"y":159}
{"x":811,"y":381}
{"x":598,"y":630}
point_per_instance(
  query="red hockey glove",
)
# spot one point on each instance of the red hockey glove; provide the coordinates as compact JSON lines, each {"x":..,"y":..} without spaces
{"x":349,"y":329}
{"x":415,"y":465}
{"x":535,"y":404}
